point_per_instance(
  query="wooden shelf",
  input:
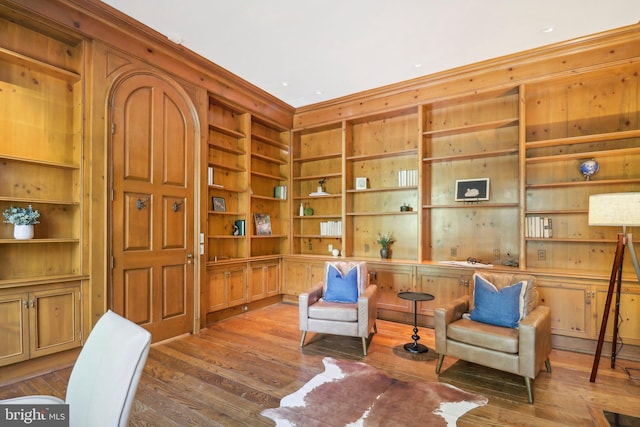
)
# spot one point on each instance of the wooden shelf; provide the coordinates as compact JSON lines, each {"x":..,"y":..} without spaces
{"x":269,"y":236}
{"x":316,"y":236}
{"x":268,"y":159}
{"x":584,"y":183}
{"x":585,"y":155}
{"x":314,"y":216}
{"x":39,"y":162}
{"x":463,"y":205}
{"x":41,"y":280}
{"x":569,"y":240}
{"x":557,"y":212}
{"x":473,"y":128}
{"x":229,"y":132}
{"x":317,"y":177}
{"x":38,"y":65}
{"x":242,"y":214}
{"x":270,"y":141}
{"x":380,"y":190}
{"x":583,"y":139}
{"x":230,"y":190}
{"x":318,"y":157}
{"x":381,"y":213}
{"x":229,"y":168}
{"x":40,"y":201}
{"x":225,"y":236}
{"x":391,"y":154}
{"x":230,"y":150}
{"x":269,"y":176}
{"x":38,"y":241}
{"x":470,"y":156}
{"x":274,"y":199}
{"x":328,"y":196}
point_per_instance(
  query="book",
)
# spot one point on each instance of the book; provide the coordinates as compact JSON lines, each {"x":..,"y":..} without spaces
{"x":280,"y":192}
{"x":263,"y":224}
{"x":239,"y":229}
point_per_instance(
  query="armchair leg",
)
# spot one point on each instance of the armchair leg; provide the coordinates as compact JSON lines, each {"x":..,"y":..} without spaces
{"x":364,"y":345}
{"x":547,"y":363}
{"x":439,"y":365}
{"x":527,"y":382}
{"x":375,"y":328}
{"x":304,"y":335}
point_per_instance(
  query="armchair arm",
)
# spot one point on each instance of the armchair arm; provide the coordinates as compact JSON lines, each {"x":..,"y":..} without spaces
{"x":305,"y":300}
{"x":367,"y":309}
{"x":534,"y":340}
{"x":445,"y":315}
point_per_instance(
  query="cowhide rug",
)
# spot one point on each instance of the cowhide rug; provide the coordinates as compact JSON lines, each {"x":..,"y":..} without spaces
{"x":356,"y":394}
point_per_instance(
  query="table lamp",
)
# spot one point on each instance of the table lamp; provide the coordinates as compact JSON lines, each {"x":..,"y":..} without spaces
{"x":614,"y":209}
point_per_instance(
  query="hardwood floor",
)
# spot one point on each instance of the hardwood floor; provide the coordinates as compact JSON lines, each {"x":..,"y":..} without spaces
{"x":227,"y":374}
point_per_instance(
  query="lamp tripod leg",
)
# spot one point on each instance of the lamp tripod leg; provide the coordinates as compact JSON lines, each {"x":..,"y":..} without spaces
{"x":616,"y":273}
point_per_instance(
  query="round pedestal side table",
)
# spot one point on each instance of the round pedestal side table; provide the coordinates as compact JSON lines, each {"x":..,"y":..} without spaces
{"x":414,"y":347}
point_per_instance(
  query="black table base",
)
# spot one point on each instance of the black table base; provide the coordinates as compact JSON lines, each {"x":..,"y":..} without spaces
{"x":414,"y":347}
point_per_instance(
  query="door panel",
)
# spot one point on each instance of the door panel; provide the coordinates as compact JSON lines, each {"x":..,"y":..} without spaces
{"x":152,"y":219}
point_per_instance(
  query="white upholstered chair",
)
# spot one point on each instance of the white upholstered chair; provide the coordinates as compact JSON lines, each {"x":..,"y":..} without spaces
{"x":344,"y":303}
{"x":105,"y":377}
{"x":509,"y":331}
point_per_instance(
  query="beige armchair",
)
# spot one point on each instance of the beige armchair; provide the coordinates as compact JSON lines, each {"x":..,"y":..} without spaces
{"x":343,"y":304}
{"x":522,"y":350}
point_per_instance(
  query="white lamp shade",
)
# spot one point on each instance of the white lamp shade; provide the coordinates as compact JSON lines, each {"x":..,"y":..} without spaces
{"x":621,"y":209}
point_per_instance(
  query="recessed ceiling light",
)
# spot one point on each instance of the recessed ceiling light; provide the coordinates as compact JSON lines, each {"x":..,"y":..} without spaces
{"x":417,"y":65}
{"x":318,"y":92}
{"x":285,"y":84}
{"x":547,"y":29}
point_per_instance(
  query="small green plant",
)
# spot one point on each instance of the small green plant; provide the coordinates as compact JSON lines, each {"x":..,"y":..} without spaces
{"x":21,"y":216}
{"x":385,"y":239}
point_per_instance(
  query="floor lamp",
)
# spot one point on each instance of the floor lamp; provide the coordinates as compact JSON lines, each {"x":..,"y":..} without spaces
{"x":614,"y":209}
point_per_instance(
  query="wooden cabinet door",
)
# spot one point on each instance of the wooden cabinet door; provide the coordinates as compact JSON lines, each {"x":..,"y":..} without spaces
{"x":390,"y":281}
{"x":264,"y":281}
{"x":236,"y":283}
{"x":300,"y":276}
{"x":272,"y":279}
{"x":570,"y":305}
{"x":217,"y":291}
{"x":54,"y":320}
{"x":629,"y":327}
{"x":444,"y":285}
{"x":14,"y":328}
{"x":257,"y":288}
{"x":152,"y":220}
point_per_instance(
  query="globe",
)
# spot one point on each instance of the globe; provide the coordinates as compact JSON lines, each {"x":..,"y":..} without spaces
{"x":589,"y":168}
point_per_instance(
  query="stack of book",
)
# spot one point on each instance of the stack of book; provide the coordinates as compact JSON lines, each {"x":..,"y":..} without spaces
{"x":539,"y":227}
{"x":331,"y":228}
{"x":408,"y":178}
{"x":280,"y":192}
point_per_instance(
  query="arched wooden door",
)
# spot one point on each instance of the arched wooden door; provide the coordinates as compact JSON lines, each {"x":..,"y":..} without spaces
{"x":152,"y":221}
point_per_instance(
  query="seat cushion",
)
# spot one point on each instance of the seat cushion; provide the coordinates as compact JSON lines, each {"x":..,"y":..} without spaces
{"x":340,"y":312}
{"x":503,"y":307}
{"x":483,"y":335}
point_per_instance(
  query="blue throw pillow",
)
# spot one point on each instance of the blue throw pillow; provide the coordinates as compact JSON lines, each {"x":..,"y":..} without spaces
{"x":341,"y":288}
{"x":497,"y":307}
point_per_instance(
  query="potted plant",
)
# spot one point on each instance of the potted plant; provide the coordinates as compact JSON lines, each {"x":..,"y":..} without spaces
{"x":23,"y":220}
{"x":385,"y":240}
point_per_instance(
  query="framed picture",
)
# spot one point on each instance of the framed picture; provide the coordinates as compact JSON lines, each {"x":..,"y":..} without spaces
{"x":218,"y":204}
{"x":471,"y":190}
{"x":361,"y":183}
{"x":263,"y":224}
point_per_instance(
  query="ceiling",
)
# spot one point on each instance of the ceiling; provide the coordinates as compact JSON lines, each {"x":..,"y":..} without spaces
{"x":308,"y":51}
